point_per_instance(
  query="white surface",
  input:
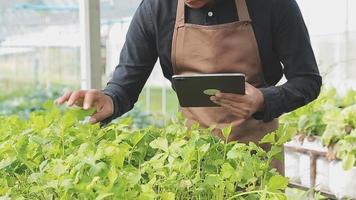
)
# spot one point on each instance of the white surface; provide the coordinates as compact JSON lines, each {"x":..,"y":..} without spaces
{"x":304,"y":170}
{"x":291,"y":163}
{"x":90,"y":56}
{"x":52,"y":36}
{"x":333,"y":17}
{"x":114,"y":44}
{"x":297,"y":165}
{"x":342,"y":183}
{"x":322,"y":174}
{"x":314,"y":145}
{"x":12,"y":51}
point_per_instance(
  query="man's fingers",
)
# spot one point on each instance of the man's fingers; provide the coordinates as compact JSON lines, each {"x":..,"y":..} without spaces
{"x":79,"y":102}
{"x":99,"y":116}
{"x":237,"y":112}
{"x":231,"y":103}
{"x":103,"y":111}
{"x":75,"y":97}
{"x":63,"y":98}
{"x":90,"y":97}
{"x":237,"y":109}
{"x":231,"y":97}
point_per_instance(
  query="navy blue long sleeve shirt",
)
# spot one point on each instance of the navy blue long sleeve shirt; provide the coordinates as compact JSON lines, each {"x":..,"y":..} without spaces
{"x":282,"y":38}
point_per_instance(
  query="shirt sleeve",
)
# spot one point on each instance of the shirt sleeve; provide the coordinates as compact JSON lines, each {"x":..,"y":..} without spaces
{"x":137,"y":59}
{"x":292,"y":44}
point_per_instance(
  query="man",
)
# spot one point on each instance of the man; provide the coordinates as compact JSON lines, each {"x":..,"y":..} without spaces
{"x":262,"y":39}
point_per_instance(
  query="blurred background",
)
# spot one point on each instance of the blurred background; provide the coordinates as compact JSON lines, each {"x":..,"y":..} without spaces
{"x":40,"y":49}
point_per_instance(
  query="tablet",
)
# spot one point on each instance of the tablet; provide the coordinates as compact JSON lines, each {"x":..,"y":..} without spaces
{"x":196,"y":90}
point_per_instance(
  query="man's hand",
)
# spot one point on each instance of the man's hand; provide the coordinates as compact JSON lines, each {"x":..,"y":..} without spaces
{"x":90,"y":99}
{"x":242,"y":106}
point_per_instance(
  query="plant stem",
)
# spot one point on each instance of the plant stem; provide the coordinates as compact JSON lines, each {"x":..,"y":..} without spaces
{"x":251,"y":192}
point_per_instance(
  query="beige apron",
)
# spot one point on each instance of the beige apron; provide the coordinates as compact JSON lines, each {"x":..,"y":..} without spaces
{"x":223,"y":48}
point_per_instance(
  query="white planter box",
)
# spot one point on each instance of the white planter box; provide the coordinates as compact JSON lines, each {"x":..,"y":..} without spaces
{"x":314,"y":145}
{"x":342,"y":183}
{"x":322,"y":166}
{"x":330,"y":176}
{"x":322,"y":174}
{"x":297,"y":165}
{"x":291,"y":162}
{"x":304,"y":170}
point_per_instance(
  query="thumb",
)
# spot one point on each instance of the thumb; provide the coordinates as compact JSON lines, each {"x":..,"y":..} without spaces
{"x":249,"y":88}
{"x":248,"y":85}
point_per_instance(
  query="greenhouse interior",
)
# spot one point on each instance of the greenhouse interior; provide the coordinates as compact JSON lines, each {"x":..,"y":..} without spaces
{"x":177,"y":99}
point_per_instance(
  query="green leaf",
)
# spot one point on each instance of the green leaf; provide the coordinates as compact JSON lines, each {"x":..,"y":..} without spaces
{"x":232,"y":154}
{"x":176,"y":145}
{"x":303,"y":122}
{"x":92,"y":183}
{"x":136,"y":138}
{"x":168,"y":196}
{"x":227,"y":131}
{"x":112,"y":175}
{"x":22,"y":146}
{"x":39,"y":140}
{"x":160,"y":143}
{"x":81,"y":113}
{"x":35,"y":177}
{"x":186,"y":184}
{"x":147,"y":192}
{"x":99,"y":169}
{"x":285,"y":134}
{"x":118,"y":160}
{"x":349,"y":162}
{"x":7,"y":162}
{"x":104,"y":195}
{"x":269,"y":138}
{"x":212,"y":179}
{"x":227,"y":170}
{"x":277,"y":182}
{"x":203,"y":149}
{"x":133,"y":176}
{"x":58,"y":167}
{"x":275,"y":150}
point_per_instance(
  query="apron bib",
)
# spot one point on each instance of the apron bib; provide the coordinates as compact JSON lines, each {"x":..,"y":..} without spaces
{"x":224,"y":48}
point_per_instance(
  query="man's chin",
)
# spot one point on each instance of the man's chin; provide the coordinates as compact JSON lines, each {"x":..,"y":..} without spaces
{"x":196,"y":3}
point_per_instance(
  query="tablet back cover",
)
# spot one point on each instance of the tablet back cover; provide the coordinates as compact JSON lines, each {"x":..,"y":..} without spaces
{"x":196,"y":91}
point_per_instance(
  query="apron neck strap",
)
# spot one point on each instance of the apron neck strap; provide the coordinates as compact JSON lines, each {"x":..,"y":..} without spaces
{"x":242,"y":10}
{"x":241,"y":7}
{"x":180,"y":18}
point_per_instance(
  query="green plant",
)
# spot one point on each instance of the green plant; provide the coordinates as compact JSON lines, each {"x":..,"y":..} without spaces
{"x":23,"y":102}
{"x":309,"y":119}
{"x":346,"y":150}
{"x":331,"y":117}
{"x":56,"y":155}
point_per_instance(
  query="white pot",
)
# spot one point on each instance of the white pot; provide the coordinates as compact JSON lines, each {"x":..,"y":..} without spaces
{"x":322,"y":165}
{"x":314,"y":145}
{"x":294,"y":142}
{"x":342,"y":183}
{"x":322,"y":174}
{"x":304,"y":170}
{"x":291,"y":166}
{"x":291,"y":161}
